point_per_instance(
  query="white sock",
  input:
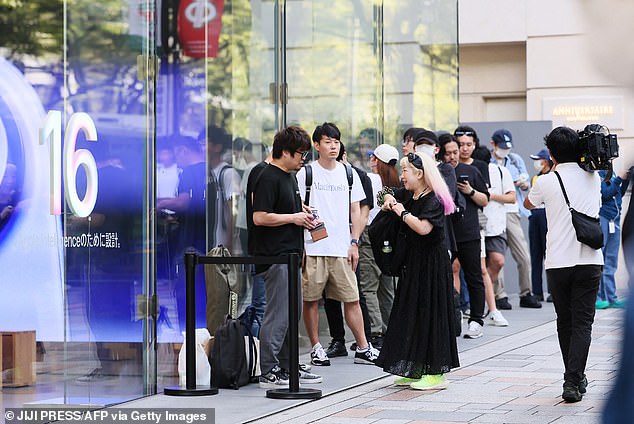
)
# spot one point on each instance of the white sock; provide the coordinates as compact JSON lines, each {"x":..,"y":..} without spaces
{"x":317,"y":346}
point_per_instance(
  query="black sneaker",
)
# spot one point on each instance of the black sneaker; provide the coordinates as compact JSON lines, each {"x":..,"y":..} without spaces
{"x":353,"y":346}
{"x":503,"y":303}
{"x":529,"y":301}
{"x":274,"y":379}
{"x":583,"y":384}
{"x":549,"y":299}
{"x":571,"y":392}
{"x":368,"y":356}
{"x":336,"y":348}
{"x":539,"y":297}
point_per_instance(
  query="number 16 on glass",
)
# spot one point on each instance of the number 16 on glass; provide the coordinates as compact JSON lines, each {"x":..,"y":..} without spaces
{"x":51,"y":131}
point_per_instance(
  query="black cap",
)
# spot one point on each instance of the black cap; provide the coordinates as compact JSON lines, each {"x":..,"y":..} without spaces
{"x":425,"y":135}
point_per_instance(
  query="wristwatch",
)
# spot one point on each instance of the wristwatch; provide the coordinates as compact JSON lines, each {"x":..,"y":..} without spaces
{"x":354,"y":241}
{"x":471,"y":193}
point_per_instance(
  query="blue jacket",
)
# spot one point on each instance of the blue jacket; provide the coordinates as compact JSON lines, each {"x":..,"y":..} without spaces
{"x":611,"y":196}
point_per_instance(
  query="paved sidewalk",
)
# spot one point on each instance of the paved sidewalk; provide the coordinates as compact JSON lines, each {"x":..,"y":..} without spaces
{"x":516,"y":378}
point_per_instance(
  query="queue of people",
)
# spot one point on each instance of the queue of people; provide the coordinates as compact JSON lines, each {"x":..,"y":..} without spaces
{"x":456,"y":206}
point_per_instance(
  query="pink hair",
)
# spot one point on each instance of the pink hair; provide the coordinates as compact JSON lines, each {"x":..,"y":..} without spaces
{"x":434,"y":180}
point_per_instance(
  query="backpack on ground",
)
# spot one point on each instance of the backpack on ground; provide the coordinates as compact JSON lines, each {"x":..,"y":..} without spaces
{"x":231,"y":367}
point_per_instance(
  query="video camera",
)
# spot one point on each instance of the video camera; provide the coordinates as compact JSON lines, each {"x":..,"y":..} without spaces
{"x":597,"y":148}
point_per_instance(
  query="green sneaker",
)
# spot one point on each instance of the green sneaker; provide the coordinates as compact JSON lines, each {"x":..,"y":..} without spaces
{"x":602,"y":304}
{"x":431,"y":382}
{"x":619,"y":304}
{"x":404,"y":381}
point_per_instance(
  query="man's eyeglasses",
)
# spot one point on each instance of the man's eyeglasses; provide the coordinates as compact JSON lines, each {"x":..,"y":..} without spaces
{"x":461,"y":133}
{"x":415,"y":160}
{"x":304,"y":154}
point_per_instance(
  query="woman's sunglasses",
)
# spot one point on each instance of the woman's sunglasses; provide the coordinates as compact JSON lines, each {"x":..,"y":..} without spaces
{"x":461,"y":133}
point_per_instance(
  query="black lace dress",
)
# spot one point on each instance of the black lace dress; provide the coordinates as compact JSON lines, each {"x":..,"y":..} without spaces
{"x":420,"y":337}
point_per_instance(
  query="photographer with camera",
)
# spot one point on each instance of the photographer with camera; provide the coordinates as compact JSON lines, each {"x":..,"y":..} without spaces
{"x":573,"y":269}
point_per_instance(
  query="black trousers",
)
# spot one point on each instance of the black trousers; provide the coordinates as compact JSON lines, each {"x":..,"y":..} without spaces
{"x":574,"y":290}
{"x":537,"y":228}
{"x":469,"y":256}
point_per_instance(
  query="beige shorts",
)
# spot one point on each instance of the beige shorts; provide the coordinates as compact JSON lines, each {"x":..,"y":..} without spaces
{"x":332,"y":275}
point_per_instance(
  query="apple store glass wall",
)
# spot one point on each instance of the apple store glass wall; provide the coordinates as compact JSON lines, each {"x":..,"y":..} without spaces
{"x":128,"y":129}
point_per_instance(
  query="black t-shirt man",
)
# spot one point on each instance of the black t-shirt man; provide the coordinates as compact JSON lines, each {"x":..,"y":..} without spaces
{"x":276,"y":191}
{"x":468,"y":228}
{"x":253,"y":179}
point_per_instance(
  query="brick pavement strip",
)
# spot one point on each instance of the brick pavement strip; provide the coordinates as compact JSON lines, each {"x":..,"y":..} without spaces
{"x":527,"y":389}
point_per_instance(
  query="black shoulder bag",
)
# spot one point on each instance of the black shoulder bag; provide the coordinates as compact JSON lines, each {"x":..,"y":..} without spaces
{"x":587,"y":228}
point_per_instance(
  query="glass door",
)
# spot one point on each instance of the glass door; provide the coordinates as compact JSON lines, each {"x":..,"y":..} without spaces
{"x":217,"y":112}
{"x":108,"y":82}
{"x":76,"y":148}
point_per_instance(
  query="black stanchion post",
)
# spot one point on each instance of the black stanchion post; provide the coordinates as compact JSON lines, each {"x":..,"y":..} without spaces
{"x":190,"y":389}
{"x":294,"y":391}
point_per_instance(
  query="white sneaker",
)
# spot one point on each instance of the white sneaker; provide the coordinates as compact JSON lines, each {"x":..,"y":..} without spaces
{"x":306,"y":377}
{"x":318,"y":356}
{"x":496,"y":318}
{"x":474,"y":331}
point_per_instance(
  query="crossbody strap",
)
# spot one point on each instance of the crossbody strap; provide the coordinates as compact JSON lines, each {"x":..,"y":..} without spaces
{"x":561,"y":184}
{"x":349,"y":178}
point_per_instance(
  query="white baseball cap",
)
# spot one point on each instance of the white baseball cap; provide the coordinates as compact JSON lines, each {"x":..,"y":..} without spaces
{"x":385,"y":153}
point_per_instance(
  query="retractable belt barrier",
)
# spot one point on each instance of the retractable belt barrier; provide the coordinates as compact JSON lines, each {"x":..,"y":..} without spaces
{"x":192,"y":259}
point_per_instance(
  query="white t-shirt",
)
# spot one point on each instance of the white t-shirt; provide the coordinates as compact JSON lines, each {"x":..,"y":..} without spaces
{"x":584,"y":192}
{"x":377,"y":185}
{"x":167,"y":181}
{"x":501,"y":183}
{"x":329,"y":195}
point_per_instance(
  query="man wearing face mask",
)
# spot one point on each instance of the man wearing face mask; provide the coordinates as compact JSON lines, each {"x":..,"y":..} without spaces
{"x":537,"y":228}
{"x":502,"y":145}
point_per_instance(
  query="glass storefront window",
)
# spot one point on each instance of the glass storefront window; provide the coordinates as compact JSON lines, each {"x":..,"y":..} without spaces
{"x":185,"y":97}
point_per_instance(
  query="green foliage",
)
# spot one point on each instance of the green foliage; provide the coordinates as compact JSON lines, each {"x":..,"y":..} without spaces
{"x":31,"y":27}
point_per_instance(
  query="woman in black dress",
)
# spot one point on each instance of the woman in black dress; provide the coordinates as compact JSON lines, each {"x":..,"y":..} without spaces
{"x":419,"y":344}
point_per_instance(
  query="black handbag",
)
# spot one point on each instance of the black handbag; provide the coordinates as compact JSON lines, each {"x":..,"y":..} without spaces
{"x":387,"y":239}
{"x":587,"y":228}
